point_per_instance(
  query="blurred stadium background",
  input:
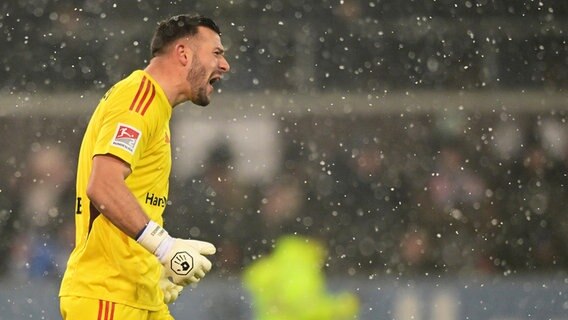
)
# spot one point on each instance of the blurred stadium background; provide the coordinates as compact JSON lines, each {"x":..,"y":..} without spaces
{"x":423,"y":143}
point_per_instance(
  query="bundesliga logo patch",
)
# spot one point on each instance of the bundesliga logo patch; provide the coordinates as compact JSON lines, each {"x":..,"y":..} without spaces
{"x":126,"y":137}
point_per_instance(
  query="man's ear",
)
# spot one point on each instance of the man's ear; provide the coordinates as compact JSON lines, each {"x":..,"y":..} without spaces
{"x":183,"y":53}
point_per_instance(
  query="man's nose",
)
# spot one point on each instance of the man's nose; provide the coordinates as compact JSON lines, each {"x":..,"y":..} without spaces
{"x":224,"y":65}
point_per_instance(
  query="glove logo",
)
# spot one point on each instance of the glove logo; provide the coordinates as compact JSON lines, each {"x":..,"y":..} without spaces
{"x":182,"y":263}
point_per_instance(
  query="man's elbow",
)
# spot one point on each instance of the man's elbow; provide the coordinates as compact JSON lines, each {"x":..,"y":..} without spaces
{"x":95,"y":191}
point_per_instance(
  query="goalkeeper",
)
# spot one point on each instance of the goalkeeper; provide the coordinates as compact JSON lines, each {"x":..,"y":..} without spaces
{"x":124,"y":264}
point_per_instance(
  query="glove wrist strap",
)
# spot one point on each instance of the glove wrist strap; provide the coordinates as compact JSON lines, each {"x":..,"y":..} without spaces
{"x":155,"y":239}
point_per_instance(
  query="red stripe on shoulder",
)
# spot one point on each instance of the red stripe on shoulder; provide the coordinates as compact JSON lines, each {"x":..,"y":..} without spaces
{"x":152,"y":95}
{"x":138,"y":93}
{"x":144,"y":96}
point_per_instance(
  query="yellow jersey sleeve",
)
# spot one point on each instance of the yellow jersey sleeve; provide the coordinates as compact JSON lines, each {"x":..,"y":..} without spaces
{"x":125,"y":131}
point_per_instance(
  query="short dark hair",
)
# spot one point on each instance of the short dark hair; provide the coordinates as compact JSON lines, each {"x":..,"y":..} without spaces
{"x":179,"y":26}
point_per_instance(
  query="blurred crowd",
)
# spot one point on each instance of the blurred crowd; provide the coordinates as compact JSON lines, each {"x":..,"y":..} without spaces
{"x":391,"y":197}
{"x":386,"y":195}
{"x":297,"y":45}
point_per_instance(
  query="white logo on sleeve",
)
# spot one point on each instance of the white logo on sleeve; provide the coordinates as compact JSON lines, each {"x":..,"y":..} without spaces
{"x":126,"y":137}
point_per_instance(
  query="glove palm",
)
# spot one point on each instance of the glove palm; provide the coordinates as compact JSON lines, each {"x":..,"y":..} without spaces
{"x":184,"y":261}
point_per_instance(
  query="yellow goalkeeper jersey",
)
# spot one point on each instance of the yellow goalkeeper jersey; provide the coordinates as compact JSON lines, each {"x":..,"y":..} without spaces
{"x":131,"y":122}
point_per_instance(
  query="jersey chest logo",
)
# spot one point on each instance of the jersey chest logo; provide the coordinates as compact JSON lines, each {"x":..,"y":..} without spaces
{"x":126,"y":137}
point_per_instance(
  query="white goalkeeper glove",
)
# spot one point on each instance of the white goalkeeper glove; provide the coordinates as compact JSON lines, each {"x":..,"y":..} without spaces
{"x":183,"y":260}
{"x":170,"y":290}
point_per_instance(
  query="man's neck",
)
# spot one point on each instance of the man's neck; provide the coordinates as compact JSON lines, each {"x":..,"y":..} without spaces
{"x":165,"y":76}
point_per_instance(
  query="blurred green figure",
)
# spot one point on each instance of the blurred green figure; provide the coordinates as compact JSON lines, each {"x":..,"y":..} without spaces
{"x":289,"y":284}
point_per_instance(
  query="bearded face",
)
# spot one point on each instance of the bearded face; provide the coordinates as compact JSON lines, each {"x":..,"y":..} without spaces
{"x":207,"y":66}
{"x":199,"y":82}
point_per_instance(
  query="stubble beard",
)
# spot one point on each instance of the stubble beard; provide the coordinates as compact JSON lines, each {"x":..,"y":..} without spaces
{"x":195,"y":77}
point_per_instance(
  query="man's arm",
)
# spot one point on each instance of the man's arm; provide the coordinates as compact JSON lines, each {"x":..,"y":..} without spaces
{"x":183,"y":259}
{"x":108,"y":192}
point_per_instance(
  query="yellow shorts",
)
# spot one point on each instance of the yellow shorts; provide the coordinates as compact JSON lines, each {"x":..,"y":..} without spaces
{"x":79,"y":308}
